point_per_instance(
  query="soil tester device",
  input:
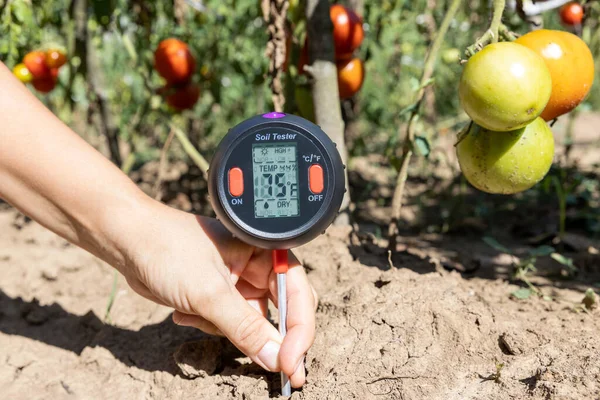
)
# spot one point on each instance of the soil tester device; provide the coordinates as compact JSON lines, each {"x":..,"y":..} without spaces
{"x":277,"y":181}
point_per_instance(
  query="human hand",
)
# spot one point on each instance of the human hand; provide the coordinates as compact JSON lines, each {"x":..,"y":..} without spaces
{"x":221,"y":286}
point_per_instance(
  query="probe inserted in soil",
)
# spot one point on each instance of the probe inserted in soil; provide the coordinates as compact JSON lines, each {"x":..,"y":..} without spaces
{"x":280,"y":266}
{"x":276,"y":182}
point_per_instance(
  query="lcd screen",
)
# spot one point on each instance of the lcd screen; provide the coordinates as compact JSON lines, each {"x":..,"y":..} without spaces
{"x":275,"y":173}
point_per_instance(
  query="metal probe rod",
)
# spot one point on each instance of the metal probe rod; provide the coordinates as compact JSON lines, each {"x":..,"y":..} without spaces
{"x":280,"y":266}
{"x":286,"y":389}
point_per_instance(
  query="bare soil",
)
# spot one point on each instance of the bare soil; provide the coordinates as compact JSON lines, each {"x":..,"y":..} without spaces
{"x":399,"y":328}
{"x":435,"y":320}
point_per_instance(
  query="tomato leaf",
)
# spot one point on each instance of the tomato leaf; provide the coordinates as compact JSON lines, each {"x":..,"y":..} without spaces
{"x":562,"y":259}
{"x":490,"y":241}
{"x":541,"y":251}
{"x":396,"y":163}
{"x":521,"y":294}
{"x":22,"y":12}
{"x":407,"y":109}
{"x":421,"y":146}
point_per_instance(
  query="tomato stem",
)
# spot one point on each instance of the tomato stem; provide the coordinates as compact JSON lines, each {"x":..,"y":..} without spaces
{"x":430,"y":61}
{"x":493,"y":32}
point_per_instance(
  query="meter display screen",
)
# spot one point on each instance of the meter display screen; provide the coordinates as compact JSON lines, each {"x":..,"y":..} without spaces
{"x":275,"y":175}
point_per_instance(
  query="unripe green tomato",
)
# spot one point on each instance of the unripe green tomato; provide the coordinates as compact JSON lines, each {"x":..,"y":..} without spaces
{"x":451,"y":56}
{"x":506,"y":162}
{"x":505,"y":86}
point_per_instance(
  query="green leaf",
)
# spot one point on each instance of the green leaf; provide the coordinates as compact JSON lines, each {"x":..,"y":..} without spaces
{"x":562,"y":259}
{"x":541,"y":251}
{"x":396,"y":162}
{"x":22,"y":12}
{"x":408,"y":109}
{"x":521,"y":294}
{"x":421,"y":146}
{"x":490,"y":241}
{"x":589,"y":301}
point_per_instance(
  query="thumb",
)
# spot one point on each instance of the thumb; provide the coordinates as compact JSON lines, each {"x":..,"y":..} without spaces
{"x":247,"y":329}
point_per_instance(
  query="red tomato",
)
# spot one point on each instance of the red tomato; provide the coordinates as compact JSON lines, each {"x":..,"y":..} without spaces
{"x":184,"y":98}
{"x":351,"y":75}
{"x":36,"y":64}
{"x":174,"y":61}
{"x":348,"y":31}
{"x":55,"y":58}
{"x":571,"y":13}
{"x":44,"y":85}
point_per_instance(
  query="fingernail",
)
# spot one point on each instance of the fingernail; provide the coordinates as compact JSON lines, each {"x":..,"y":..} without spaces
{"x":269,"y":355}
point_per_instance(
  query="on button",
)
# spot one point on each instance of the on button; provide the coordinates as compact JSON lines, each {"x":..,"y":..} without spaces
{"x":315,"y":179}
{"x":236,"y":182}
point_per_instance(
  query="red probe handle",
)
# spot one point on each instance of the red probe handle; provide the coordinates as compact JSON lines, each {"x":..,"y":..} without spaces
{"x":280,"y":261}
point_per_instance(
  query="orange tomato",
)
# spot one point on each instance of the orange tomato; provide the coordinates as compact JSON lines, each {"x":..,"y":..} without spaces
{"x":348,"y":31}
{"x":184,"y":98}
{"x":44,"y":85}
{"x":351,"y":74}
{"x":22,"y":73}
{"x":55,"y":58}
{"x":36,"y":64}
{"x":571,"y":13}
{"x":571,"y":66}
{"x":174,"y":61}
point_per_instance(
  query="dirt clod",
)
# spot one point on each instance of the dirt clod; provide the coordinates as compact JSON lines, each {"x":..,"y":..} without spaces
{"x":198,"y":359}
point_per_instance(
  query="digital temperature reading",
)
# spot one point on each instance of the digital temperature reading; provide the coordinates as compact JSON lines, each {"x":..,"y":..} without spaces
{"x":275,"y":172}
{"x":276,"y":181}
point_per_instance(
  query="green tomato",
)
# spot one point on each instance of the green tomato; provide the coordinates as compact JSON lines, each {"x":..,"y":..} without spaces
{"x":505,"y":86}
{"x":506,"y":162}
{"x":451,"y":56}
{"x":304,"y":102}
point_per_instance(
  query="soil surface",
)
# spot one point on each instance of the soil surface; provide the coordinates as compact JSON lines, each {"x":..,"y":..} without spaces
{"x":398,"y":328}
{"x":435,"y":320}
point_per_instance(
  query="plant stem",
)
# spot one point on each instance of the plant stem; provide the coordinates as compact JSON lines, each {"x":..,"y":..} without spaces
{"x":191,"y":151}
{"x":562,"y":206}
{"x":430,"y":62}
{"x":325,"y":91}
{"x":491,"y":35}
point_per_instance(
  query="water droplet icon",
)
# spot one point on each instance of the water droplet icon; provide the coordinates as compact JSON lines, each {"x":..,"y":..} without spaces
{"x":266,"y":205}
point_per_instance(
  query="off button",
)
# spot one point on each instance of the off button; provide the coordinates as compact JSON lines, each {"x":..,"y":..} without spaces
{"x":315,"y":179}
{"x":236,"y":182}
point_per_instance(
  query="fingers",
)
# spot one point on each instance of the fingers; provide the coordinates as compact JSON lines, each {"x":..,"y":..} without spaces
{"x":300,"y":324}
{"x":246,"y":328}
{"x":197,"y":322}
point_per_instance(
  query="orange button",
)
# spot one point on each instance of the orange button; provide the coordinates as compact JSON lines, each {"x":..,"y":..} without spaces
{"x":236,"y":182}
{"x":315,"y":178}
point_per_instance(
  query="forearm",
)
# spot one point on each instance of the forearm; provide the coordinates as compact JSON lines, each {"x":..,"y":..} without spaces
{"x":52,"y":175}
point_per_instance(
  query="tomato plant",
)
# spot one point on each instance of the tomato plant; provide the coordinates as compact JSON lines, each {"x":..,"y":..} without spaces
{"x":505,"y":86}
{"x":571,"y":13}
{"x":506,"y":162}
{"x":571,"y":66}
{"x":174,"y":61}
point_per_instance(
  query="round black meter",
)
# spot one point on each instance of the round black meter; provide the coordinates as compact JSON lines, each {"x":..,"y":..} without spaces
{"x":276,"y":181}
